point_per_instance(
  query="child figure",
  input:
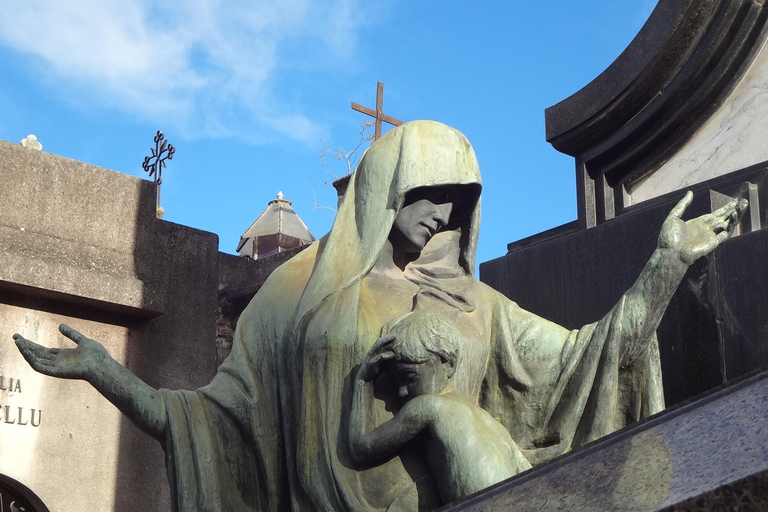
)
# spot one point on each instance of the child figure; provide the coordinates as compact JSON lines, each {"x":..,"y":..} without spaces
{"x":467,"y":450}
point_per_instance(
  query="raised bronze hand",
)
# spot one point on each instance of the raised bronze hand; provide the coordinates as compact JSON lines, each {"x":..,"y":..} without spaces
{"x":698,"y":237}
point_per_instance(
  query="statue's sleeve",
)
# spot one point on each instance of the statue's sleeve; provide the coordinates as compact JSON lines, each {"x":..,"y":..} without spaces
{"x":556,"y":389}
{"x":224,"y":443}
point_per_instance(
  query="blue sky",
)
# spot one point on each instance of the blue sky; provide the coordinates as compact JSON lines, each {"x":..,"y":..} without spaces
{"x":246,"y":90}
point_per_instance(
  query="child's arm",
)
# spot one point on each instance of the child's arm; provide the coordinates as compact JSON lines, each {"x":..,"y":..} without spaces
{"x":370,"y":444}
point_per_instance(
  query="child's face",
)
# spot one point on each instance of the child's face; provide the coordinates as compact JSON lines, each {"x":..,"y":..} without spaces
{"x":427,"y":378}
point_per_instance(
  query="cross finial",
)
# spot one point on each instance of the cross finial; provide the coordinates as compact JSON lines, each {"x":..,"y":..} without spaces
{"x":378,"y":114}
{"x":154,"y":164}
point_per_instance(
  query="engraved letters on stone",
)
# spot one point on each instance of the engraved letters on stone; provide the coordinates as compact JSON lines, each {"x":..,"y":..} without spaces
{"x":12,"y":414}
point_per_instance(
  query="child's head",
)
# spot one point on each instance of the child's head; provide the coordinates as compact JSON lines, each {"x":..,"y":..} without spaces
{"x":421,"y":335}
{"x":426,"y":349}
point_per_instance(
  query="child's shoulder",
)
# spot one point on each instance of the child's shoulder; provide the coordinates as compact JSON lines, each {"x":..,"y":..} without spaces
{"x":445,"y":403}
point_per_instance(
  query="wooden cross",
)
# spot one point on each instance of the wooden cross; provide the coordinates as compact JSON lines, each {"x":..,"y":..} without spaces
{"x":377,"y":114}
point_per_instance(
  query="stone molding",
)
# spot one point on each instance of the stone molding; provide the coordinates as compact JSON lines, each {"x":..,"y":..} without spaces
{"x":650,"y":102}
{"x":79,"y":232}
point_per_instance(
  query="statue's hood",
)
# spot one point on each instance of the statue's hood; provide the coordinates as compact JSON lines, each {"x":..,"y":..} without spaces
{"x":416,"y":154}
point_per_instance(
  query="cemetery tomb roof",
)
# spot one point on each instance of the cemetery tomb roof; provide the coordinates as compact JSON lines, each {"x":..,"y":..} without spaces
{"x":668,"y":102}
{"x":279,"y":218}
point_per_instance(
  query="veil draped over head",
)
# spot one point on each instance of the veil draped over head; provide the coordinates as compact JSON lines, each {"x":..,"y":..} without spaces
{"x":271,"y":430}
{"x":416,"y":154}
{"x":328,"y":342}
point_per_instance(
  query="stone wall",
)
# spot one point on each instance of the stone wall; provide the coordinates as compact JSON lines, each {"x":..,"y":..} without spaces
{"x":81,"y":245}
{"x":730,"y":140}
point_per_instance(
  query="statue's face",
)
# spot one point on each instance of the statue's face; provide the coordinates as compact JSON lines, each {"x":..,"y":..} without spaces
{"x":425,"y":211}
{"x":427,"y":378}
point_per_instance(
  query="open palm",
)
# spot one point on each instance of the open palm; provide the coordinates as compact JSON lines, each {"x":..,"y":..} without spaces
{"x":697,"y":237}
{"x":66,"y":363}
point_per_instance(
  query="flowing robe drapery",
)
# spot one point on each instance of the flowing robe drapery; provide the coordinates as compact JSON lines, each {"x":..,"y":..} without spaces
{"x":270,"y":431}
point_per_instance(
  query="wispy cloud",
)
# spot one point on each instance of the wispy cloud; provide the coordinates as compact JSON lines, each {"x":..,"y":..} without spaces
{"x":209,"y":66}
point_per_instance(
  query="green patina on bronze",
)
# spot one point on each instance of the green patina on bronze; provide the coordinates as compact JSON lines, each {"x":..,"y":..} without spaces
{"x":271,"y":431}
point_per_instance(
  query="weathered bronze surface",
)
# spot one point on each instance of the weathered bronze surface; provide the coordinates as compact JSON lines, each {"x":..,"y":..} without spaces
{"x":294,"y":417}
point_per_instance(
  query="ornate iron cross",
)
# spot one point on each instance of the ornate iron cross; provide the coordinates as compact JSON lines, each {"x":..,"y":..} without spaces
{"x":378,"y":114}
{"x":155,"y":163}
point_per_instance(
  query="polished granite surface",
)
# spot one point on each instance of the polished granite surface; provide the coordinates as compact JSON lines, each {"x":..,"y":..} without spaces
{"x":710,"y":454}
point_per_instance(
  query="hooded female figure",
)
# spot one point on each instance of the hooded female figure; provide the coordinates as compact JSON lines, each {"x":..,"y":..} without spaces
{"x":270,"y":431}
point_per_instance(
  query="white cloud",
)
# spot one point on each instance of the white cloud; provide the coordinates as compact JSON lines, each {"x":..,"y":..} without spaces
{"x":208,"y":65}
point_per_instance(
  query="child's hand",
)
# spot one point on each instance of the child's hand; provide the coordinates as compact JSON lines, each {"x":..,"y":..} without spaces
{"x":379,"y":353}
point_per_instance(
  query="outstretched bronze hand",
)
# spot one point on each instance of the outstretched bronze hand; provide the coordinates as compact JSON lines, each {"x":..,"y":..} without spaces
{"x":698,"y":237}
{"x":91,"y":362}
{"x":80,"y":362}
{"x":680,"y":244}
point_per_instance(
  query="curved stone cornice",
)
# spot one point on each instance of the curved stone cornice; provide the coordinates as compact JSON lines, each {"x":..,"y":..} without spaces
{"x":674,"y":75}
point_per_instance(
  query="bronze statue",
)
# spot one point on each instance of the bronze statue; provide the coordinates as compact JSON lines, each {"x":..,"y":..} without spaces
{"x":271,"y":431}
{"x":466,"y":449}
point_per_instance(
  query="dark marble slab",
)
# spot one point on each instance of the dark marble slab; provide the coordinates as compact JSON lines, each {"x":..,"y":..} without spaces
{"x":710,"y":454}
{"x":575,"y":279}
{"x":748,"y":494}
{"x":716,"y":326}
{"x":742,"y":303}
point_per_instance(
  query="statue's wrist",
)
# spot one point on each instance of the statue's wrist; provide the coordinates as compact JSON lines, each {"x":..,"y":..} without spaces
{"x":97,"y":367}
{"x":672,"y":263}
